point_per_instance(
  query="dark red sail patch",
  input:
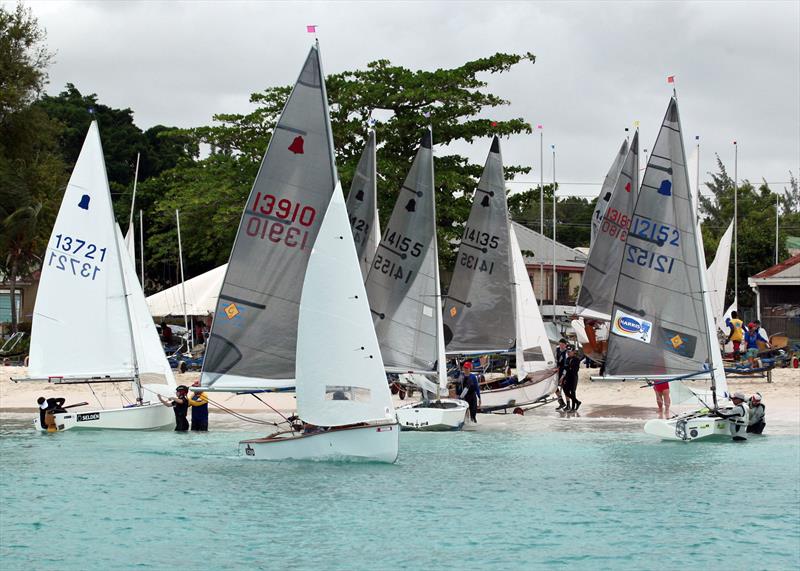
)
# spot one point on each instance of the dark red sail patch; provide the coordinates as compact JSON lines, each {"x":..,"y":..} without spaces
{"x":297,"y":145}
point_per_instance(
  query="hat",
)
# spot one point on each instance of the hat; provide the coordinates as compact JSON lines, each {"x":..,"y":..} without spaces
{"x":181,"y":388}
{"x":751,"y":324}
{"x":466,"y":365}
{"x":756,"y":397}
{"x":739,"y":396}
{"x":196,"y":383}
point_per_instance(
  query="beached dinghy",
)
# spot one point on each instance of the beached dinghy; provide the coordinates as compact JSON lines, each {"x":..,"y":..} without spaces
{"x":405,"y":300}
{"x":663,"y":327}
{"x":490,"y":306}
{"x":90,"y":322}
{"x":293,"y":305}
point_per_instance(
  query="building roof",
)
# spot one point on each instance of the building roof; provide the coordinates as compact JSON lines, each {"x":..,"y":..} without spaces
{"x":542,"y":248}
{"x":785,"y":273}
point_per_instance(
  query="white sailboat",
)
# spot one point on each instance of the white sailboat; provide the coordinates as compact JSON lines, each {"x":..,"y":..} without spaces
{"x":90,"y":322}
{"x":293,"y":305}
{"x":405,"y":300}
{"x":662,"y":325}
{"x":490,"y":306}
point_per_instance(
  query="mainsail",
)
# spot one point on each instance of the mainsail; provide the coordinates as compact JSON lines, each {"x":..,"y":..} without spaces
{"x":599,"y":279}
{"x":402,"y":285}
{"x":479,"y":315}
{"x":661,"y":323}
{"x":81,"y":326}
{"x":254,"y":334}
{"x":607,"y":191}
{"x":362,"y":206}
{"x":335,"y":329}
{"x":718,"y":278}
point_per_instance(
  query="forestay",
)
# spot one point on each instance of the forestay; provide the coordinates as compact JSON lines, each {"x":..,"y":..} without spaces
{"x":80,"y":321}
{"x":362,"y":206}
{"x":254,"y":334}
{"x":340,"y":376}
{"x":402,"y":282}
{"x":479,"y":315}
{"x":659,"y":320}
{"x":607,"y":190}
{"x":602,"y":268}
{"x":533,"y":350}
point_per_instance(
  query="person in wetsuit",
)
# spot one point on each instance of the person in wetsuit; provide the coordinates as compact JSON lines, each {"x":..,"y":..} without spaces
{"x":199,"y":404}
{"x":469,"y":390}
{"x":756,"y":423}
{"x":180,"y":406}
{"x":49,"y":405}
{"x":573,"y":366}
{"x":737,"y":417}
{"x":561,"y":362}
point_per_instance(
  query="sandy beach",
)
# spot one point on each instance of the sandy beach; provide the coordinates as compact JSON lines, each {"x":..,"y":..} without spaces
{"x":601,"y":399}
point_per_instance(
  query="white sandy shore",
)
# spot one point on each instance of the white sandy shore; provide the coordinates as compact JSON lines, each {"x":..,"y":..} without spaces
{"x":601,"y":399}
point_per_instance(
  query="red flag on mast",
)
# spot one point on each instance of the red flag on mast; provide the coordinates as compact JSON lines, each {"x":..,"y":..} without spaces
{"x":671,"y":79}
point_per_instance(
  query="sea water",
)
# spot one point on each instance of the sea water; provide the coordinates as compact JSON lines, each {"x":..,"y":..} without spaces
{"x":513,"y":493}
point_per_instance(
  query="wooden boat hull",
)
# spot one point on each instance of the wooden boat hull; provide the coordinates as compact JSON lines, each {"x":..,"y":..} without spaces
{"x":144,"y":417}
{"x":520,"y":395}
{"x":448,"y":415}
{"x":686,"y":428}
{"x":375,"y":442}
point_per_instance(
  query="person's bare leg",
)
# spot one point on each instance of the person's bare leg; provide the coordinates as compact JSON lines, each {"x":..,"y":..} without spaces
{"x":667,"y":402}
{"x":660,"y":403}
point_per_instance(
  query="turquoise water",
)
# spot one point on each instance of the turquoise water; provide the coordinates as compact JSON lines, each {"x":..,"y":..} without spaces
{"x":515,"y":494}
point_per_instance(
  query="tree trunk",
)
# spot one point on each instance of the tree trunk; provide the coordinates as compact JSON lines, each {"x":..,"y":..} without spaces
{"x":13,"y":294}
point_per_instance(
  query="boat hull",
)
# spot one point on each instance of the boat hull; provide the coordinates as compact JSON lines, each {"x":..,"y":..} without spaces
{"x":375,"y":442}
{"x":514,"y":396}
{"x":687,"y":428}
{"x":144,"y":417}
{"x":449,"y":415}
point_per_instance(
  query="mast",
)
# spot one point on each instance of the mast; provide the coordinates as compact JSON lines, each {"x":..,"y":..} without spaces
{"x":697,"y":179}
{"x":441,"y":365}
{"x":541,"y":212}
{"x":735,"y":222}
{"x":183,"y":281}
{"x":133,"y":198}
{"x":777,"y":223}
{"x":555,"y":274}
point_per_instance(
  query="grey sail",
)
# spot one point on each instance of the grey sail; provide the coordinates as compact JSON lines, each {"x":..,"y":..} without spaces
{"x":602,"y":268}
{"x":659,"y":325}
{"x":478,"y":310}
{"x":362,"y":206}
{"x":607,"y":190}
{"x":254,"y":333}
{"x":401,"y":285}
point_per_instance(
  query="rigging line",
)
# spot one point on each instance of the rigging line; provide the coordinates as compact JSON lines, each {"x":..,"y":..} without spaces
{"x":241,"y":416}
{"x":270,"y":406}
{"x":95,"y":396}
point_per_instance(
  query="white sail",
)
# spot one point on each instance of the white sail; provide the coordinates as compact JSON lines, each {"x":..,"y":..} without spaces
{"x":151,"y":361}
{"x":717,"y":276}
{"x":533,"y":349}
{"x":80,"y":321}
{"x":340,"y":378}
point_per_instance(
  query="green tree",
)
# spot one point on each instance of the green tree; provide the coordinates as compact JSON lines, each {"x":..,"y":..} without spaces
{"x":573,"y":215}
{"x":400,"y":101}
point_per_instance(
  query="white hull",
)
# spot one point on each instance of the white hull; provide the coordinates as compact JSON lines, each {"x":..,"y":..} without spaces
{"x":376,"y":442}
{"x":417,"y":416}
{"x":688,"y":427}
{"x":517,"y":395}
{"x":145,"y":417}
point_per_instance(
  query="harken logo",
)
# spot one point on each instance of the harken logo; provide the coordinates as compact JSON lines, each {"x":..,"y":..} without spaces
{"x":629,"y":325}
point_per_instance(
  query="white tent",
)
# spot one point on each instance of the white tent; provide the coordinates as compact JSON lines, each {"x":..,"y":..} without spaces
{"x":201,"y":295}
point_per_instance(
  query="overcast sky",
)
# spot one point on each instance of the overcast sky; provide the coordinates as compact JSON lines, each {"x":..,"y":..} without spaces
{"x":599,"y":67}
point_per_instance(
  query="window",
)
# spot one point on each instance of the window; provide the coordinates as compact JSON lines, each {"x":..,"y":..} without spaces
{"x":359,"y":394}
{"x":563,"y":287}
{"x":5,"y":305}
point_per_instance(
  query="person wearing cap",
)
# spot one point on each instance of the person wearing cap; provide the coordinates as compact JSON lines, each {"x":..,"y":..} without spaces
{"x":751,"y":338}
{"x":737,"y":417}
{"x":573,"y":366}
{"x":199,"y":404}
{"x":756,"y":423}
{"x":469,"y":389}
{"x":561,"y":362}
{"x":180,"y":406}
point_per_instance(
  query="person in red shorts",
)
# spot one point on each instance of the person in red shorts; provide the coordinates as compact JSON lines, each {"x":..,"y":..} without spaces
{"x":662,"y":398}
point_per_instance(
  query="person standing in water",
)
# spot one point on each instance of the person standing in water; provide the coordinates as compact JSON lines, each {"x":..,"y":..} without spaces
{"x":737,"y":417}
{"x":757,"y":421}
{"x":469,"y":390}
{"x":573,"y":367}
{"x":180,"y":406}
{"x":662,"y":398}
{"x":199,"y":404}
{"x":561,"y":362}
